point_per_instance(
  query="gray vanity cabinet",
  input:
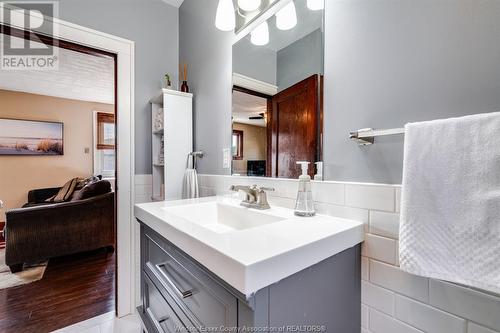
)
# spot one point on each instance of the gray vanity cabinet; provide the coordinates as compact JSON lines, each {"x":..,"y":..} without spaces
{"x":194,"y":297}
{"x":180,"y":295}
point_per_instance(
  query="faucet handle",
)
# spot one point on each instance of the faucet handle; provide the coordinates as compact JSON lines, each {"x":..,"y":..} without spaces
{"x":262,"y":197}
{"x":238,"y":187}
{"x":263,"y":188}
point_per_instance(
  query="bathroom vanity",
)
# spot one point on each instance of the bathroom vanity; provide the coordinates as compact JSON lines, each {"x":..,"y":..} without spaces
{"x":210,"y":265}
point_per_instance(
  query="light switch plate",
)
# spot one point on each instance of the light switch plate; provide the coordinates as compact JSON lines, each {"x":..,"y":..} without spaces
{"x":226,"y":158}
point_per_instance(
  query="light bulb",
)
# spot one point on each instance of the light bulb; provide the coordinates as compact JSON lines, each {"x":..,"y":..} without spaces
{"x":260,"y":35}
{"x":315,"y":4}
{"x":286,"y":18}
{"x":249,"y":5}
{"x":224,"y":18}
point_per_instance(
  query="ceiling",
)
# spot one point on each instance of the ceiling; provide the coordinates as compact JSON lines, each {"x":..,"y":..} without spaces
{"x":175,"y":3}
{"x":246,"y":105}
{"x":79,"y":76}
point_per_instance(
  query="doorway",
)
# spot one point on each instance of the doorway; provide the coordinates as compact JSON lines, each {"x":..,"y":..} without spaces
{"x":68,"y":241}
{"x":127,"y":242}
{"x":272,"y":132}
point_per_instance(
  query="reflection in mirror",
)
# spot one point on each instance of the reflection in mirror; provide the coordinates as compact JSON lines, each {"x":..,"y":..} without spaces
{"x":249,"y":10}
{"x":277,"y":93}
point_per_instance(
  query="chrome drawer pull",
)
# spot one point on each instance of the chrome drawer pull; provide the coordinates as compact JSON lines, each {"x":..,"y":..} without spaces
{"x":181,"y":293}
{"x":163,"y":319}
{"x":157,"y":322}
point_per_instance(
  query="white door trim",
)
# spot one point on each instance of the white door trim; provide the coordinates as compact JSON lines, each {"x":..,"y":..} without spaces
{"x":124,"y":49}
{"x":255,"y":85}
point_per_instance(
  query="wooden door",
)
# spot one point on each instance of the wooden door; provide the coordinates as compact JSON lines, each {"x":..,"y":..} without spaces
{"x":293,"y":129}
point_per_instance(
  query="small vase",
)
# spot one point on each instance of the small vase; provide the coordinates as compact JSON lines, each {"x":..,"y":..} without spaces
{"x":168,"y":85}
{"x":184,"y":87}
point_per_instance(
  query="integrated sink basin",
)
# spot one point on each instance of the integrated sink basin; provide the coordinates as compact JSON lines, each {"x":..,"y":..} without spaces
{"x":222,"y":218}
{"x":247,"y":248}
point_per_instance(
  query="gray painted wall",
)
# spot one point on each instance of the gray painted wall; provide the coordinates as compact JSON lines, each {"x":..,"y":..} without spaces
{"x":257,"y":62}
{"x":153,"y":26}
{"x":208,"y":53}
{"x":284,"y":68}
{"x":391,"y":62}
{"x":300,"y":60}
{"x":387,"y":62}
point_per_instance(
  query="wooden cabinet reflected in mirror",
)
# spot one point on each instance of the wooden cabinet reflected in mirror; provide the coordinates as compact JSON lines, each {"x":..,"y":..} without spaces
{"x":278,"y":96}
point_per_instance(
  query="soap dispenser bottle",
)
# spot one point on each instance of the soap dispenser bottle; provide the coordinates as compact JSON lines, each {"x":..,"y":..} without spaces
{"x":304,"y":206}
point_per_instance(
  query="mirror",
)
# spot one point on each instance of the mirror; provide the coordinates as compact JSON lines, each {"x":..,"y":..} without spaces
{"x":249,"y":10}
{"x":278,"y":91}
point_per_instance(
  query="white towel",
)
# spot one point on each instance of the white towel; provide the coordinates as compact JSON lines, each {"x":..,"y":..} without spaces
{"x":190,"y":184}
{"x":450,"y":204}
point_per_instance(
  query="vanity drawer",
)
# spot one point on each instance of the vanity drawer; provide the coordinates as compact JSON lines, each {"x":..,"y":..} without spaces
{"x":204,"y":301}
{"x":158,"y":310}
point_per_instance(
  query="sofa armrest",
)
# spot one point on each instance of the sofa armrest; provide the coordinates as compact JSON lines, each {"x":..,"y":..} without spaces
{"x":42,"y":194}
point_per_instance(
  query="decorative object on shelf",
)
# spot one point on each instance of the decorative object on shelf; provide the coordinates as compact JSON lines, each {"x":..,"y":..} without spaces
{"x":184,"y":86}
{"x":158,"y":120}
{"x":168,"y":83}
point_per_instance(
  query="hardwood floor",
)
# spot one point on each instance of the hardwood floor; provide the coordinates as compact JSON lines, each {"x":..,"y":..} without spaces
{"x":74,"y":288}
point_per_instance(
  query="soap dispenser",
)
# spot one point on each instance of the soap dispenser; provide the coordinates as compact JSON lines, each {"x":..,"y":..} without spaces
{"x":319,"y":171}
{"x":304,"y":206}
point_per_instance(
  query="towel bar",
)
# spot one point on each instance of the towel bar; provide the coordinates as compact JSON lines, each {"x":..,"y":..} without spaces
{"x":194,"y":155}
{"x":197,"y":154}
{"x":366,"y":136}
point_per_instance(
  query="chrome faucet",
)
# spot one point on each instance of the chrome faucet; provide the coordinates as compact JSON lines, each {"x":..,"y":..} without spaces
{"x":255,"y":197}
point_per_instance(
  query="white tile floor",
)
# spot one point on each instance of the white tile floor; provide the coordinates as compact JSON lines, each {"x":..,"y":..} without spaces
{"x":106,"y":323}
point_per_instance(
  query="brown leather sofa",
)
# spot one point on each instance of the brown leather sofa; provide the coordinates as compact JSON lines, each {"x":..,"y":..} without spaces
{"x":40,"y":231}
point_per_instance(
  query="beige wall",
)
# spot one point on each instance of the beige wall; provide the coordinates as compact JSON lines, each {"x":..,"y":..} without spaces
{"x":254,"y":146}
{"x":19,"y":174}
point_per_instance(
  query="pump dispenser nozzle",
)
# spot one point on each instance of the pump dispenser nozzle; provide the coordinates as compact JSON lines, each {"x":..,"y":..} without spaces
{"x":304,"y":206}
{"x":319,"y":171}
{"x":304,"y":165}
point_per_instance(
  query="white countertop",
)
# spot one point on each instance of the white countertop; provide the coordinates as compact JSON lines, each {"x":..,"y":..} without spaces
{"x":253,"y":258}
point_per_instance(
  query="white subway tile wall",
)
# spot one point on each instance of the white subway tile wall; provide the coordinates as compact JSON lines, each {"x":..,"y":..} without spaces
{"x":143,"y":188}
{"x":392,"y":301}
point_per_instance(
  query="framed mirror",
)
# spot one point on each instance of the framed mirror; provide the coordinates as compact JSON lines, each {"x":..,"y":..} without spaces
{"x":277,"y":96}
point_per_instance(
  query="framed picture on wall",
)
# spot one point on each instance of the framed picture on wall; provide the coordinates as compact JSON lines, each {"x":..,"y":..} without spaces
{"x":31,"y":137}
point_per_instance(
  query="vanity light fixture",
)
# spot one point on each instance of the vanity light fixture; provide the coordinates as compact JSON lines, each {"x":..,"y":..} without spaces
{"x":249,"y":5}
{"x":286,"y":18}
{"x":224,"y":18}
{"x":315,"y":4}
{"x":260,"y":35}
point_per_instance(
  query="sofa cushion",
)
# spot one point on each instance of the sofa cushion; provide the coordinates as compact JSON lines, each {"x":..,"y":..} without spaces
{"x":86,"y":181}
{"x":65,"y":192}
{"x":92,"y":190}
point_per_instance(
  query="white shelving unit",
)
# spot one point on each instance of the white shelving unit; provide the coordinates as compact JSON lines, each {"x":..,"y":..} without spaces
{"x":175,"y":139}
